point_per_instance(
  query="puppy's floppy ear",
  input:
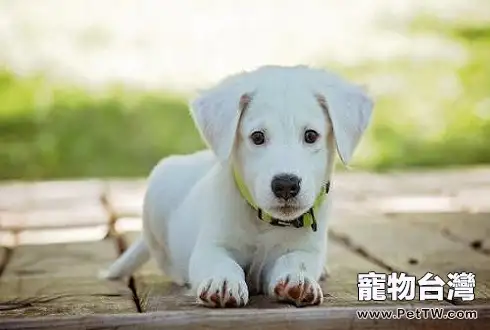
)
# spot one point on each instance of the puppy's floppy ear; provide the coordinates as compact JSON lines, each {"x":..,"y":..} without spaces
{"x":217,"y":113}
{"x":349,"y":109}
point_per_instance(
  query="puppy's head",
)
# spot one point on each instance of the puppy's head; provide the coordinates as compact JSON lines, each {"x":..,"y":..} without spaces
{"x":279,"y":127}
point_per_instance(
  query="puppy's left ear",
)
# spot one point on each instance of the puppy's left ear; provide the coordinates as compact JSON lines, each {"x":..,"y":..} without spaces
{"x":217,"y":113}
{"x":349,"y":108}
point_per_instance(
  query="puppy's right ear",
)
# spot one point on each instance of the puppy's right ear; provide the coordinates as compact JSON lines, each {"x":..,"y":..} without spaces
{"x":217,"y":113}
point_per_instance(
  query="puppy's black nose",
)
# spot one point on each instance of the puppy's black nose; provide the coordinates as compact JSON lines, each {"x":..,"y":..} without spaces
{"x":285,"y":186}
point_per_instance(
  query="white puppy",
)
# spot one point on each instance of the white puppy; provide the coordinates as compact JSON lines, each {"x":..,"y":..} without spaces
{"x":250,"y":214}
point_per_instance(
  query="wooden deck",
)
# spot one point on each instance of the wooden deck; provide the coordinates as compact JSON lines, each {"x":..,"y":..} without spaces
{"x":56,"y":236}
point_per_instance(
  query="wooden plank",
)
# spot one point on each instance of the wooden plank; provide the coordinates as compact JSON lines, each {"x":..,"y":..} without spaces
{"x":341,"y":285}
{"x":66,"y":260}
{"x":416,"y":192}
{"x":68,"y":216}
{"x":399,"y":203}
{"x":57,"y":204}
{"x":52,"y":236}
{"x":61,"y":279}
{"x":405,"y":247}
{"x":156,"y":293}
{"x":434,"y":191}
{"x":128,"y":224}
{"x":312,"y":318}
{"x":446,"y":182}
{"x":474,"y":199}
{"x":472,"y":229}
{"x":13,"y":195}
{"x":17,"y":196}
{"x":125,"y":198}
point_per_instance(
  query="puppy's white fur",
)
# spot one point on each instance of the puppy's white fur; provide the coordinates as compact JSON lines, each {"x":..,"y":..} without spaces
{"x":196,"y":224}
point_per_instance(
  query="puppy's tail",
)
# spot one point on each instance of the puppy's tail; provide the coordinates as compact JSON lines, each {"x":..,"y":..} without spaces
{"x":133,"y":258}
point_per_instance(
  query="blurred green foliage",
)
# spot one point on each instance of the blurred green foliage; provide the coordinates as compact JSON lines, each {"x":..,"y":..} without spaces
{"x":434,"y":113}
{"x":50,"y":132}
{"x":431,"y":113}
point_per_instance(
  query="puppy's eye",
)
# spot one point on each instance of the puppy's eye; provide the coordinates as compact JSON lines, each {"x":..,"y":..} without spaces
{"x":257,"y":138}
{"x":311,"y":136}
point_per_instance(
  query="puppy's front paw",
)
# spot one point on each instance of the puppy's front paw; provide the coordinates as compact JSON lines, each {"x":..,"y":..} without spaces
{"x":298,"y":289}
{"x":222,"y":292}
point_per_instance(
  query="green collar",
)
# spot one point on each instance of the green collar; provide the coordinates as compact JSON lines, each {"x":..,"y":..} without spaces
{"x":306,"y":219}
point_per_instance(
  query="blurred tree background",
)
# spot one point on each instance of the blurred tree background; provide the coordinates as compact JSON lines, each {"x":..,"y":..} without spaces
{"x":428,"y":113}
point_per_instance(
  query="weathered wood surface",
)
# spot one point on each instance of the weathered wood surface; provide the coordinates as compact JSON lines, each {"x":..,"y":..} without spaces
{"x":125,"y":198}
{"x":406,"y":222}
{"x":52,"y":212}
{"x":61,"y":279}
{"x":53,"y":236}
{"x":414,"y":248}
{"x":472,"y":229}
{"x":19,"y":196}
{"x":321,"y":318}
{"x":85,"y":214}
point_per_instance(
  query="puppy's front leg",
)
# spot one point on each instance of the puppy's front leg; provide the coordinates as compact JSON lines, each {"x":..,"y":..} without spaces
{"x":294,"y":278}
{"x":219,"y":279}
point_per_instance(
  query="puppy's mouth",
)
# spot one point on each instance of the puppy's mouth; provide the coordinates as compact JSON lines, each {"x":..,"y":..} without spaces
{"x":288,"y":211}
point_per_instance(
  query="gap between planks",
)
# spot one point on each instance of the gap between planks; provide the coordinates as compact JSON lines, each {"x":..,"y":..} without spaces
{"x":122,"y":246}
{"x":413,"y":247}
{"x":5,"y":254}
{"x":468,"y":228}
{"x":62,"y":279}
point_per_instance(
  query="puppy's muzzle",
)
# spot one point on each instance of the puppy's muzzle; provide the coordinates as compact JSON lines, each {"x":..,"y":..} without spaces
{"x":285,"y":186}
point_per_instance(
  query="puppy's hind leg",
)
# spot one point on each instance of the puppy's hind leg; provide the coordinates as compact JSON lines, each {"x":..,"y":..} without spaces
{"x":133,"y":258}
{"x":159,"y":251}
